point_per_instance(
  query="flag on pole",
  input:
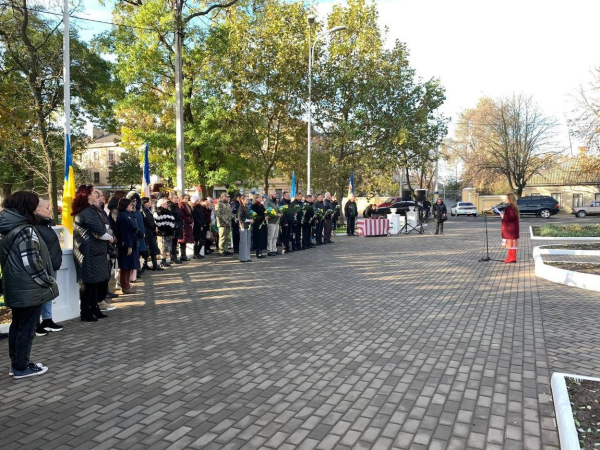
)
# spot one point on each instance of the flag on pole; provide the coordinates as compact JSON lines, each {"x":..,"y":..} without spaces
{"x":293,"y":187}
{"x":68,"y":188}
{"x":351,"y":185}
{"x":146,"y":175}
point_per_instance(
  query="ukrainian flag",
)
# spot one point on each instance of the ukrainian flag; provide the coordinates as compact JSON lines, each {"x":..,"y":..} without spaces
{"x":68,"y":188}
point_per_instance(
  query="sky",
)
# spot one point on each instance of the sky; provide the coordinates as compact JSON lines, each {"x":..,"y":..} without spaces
{"x":543,"y":48}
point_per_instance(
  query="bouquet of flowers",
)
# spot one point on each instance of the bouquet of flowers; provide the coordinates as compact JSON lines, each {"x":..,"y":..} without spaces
{"x":319,"y":214}
{"x":284,"y":209}
{"x":254,"y":216}
{"x":298,"y":208}
{"x":271,"y":213}
{"x":337,"y":209}
{"x":306,"y":209}
{"x":328,"y":213}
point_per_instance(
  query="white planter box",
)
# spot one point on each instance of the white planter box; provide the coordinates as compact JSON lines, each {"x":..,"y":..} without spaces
{"x":545,"y":238}
{"x":567,"y":432}
{"x":557,"y":275}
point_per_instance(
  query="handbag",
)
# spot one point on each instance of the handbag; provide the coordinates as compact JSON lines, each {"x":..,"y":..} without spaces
{"x":7,"y":256}
{"x":209,"y":235}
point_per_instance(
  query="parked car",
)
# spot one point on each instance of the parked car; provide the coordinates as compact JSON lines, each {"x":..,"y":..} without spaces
{"x":464,"y":209}
{"x":389,"y":202}
{"x":539,"y":205}
{"x":401,"y":206}
{"x":591,"y":210}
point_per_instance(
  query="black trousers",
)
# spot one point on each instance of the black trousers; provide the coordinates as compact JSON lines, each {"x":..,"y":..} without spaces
{"x":351,"y":222}
{"x":174,"y":249}
{"x":439,"y":227}
{"x":21,"y":334}
{"x":327,"y":230}
{"x":306,"y":235}
{"x":235,"y":235}
{"x":90,"y":294}
{"x":286,"y":236}
{"x":297,"y":237}
{"x":319,"y":232}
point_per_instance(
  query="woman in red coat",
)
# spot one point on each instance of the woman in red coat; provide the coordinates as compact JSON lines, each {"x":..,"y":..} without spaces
{"x":188,"y":226}
{"x":510,"y":227}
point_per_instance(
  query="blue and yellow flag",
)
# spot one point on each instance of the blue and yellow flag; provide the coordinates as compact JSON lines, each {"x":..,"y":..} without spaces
{"x":293,"y":186}
{"x":68,"y":188}
{"x":351,"y":185}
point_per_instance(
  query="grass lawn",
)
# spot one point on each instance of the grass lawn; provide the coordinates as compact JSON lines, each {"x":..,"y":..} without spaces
{"x":574,"y":230}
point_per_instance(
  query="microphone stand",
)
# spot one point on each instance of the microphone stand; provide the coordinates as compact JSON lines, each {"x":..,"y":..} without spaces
{"x":486,"y":258}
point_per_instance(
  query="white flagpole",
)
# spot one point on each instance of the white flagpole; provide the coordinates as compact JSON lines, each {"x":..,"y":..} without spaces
{"x":68,"y":237}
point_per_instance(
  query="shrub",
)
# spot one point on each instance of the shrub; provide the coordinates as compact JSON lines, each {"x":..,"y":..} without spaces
{"x":574,"y":230}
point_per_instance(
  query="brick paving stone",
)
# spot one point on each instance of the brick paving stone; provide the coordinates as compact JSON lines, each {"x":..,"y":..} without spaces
{"x":403,"y":342}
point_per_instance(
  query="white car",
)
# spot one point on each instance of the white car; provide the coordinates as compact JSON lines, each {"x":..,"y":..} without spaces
{"x":464,"y":209}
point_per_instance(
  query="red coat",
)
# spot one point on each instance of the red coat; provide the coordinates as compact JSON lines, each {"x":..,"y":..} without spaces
{"x":510,"y":224}
{"x":188,"y":223}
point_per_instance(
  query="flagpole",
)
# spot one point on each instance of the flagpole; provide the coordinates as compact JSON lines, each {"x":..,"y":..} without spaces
{"x":68,"y":237}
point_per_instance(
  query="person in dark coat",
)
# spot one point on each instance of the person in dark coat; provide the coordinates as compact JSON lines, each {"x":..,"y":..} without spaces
{"x":327,"y":225}
{"x":426,"y":209}
{"x":336,"y":214}
{"x":136,"y":203}
{"x":129,"y":258}
{"x":369,"y":210}
{"x":297,"y":227}
{"x":44,"y":229}
{"x":307,"y":222}
{"x":351,"y":211}
{"x":113,"y":210}
{"x":259,"y":227}
{"x":510,"y":227}
{"x":235,"y":225}
{"x":187,"y":219}
{"x":199,"y":227}
{"x":319,"y":204}
{"x":174,"y":209}
{"x":151,"y":232}
{"x":440,"y":215}
{"x":207,"y":211}
{"x":287,"y":223}
{"x":91,"y":238}
{"x":27,"y":279}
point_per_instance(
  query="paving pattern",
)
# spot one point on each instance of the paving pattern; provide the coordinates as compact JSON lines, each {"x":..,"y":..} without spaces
{"x":376,"y":343}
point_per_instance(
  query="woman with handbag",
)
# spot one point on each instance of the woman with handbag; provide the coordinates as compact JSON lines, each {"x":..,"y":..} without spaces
{"x":510,"y":227}
{"x":440,"y":215}
{"x":91,"y":238}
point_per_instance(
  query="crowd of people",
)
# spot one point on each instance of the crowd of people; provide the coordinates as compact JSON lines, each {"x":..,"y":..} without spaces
{"x":126,"y":235}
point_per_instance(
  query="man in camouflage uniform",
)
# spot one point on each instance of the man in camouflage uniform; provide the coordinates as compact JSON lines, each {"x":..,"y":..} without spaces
{"x":224,"y":217}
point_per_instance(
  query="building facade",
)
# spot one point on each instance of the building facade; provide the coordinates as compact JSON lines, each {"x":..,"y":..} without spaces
{"x":100,"y":155}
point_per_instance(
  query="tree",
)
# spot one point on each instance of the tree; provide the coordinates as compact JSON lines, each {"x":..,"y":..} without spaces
{"x":31,"y":48}
{"x":128,"y":171}
{"x":586,"y":122}
{"x":511,"y":138}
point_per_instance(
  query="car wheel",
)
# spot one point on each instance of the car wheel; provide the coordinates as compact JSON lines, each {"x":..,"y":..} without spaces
{"x":452,"y":214}
{"x":474,"y":215}
{"x":545,"y":213}
{"x":580,"y":214}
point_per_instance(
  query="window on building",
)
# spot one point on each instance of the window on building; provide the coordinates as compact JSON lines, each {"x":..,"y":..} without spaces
{"x":111,"y":156}
{"x":577,"y":200}
{"x":597,"y":197}
{"x":96,"y":156}
{"x":557,"y":196}
{"x":96,"y":177}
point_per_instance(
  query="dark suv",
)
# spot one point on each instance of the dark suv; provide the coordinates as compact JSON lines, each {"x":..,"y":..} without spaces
{"x":539,"y":205}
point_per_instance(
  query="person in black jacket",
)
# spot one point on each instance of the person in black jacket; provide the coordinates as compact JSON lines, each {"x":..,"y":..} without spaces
{"x":174,"y":209}
{"x":307,"y":222}
{"x":199,"y":227}
{"x":287,"y":223}
{"x":151,"y":232}
{"x":235,"y":224}
{"x":27,"y":279}
{"x":319,"y":204}
{"x":259,"y":227}
{"x":351,"y":211}
{"x":439,"y":214}
{"x":44,"y":229}
{"x":328,"y":206}
{"x":128,"y":257}
{"x":297,"y":229}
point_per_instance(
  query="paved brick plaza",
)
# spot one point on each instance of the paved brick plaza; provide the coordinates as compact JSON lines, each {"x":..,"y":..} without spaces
{"x":402,"y":342}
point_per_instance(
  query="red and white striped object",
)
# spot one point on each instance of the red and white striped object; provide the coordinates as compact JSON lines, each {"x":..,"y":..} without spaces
{"x":373,"y":227}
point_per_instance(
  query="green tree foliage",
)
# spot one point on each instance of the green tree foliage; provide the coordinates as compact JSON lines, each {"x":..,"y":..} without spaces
{"x":31,"y":53}
{"x":128,"y":171}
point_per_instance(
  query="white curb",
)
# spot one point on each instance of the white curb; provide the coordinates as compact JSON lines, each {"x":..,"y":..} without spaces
{"x":581,"y":280}
{"x":548,"y":238}
{"x":567,"y":433}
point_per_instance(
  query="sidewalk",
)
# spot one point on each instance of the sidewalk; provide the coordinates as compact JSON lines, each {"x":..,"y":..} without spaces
{"x":400,"y":342}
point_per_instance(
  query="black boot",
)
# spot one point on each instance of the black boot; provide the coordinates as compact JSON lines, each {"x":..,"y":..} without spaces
{"x":182,"y":250}
{"x":99,"y":313}
{"x":155,"y":265}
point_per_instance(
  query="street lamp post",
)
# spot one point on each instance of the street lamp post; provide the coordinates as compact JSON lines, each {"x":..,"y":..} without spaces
{"x":311,"y":53}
